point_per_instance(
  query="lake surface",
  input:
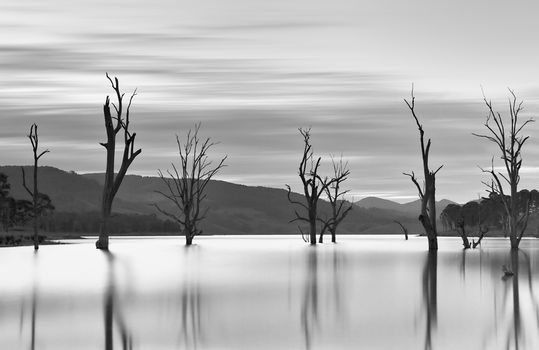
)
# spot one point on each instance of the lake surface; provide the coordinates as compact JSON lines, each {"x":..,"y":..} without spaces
{"x":270,"y":292}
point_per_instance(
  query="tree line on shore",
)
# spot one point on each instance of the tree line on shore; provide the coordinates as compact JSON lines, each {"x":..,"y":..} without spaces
{"x":186,"y":182}
{"x":476,"y":218}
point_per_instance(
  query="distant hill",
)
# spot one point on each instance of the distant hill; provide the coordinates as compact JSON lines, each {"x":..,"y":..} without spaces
{"x":375,"y":202}
{"x":233,"y":208}
{"x":409,"y":208}
{"x":69,"y":191}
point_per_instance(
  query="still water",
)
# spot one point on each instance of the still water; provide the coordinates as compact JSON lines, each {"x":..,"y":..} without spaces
{"x":270,"y":292}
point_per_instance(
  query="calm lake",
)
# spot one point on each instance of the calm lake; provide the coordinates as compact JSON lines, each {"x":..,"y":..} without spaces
{"x":270,"y":292}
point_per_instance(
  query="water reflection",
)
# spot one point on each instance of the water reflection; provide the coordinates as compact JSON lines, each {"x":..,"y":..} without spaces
{"x":463,"y":264}
{"x":323,"y":282}
{"x":430,"y":296}
{"x":309,"y":305}
{"x":516,"y":297}
{"x":521,"y":269}
{"x":34,"y":304}
{"x":518,"y":310}
{"x":112,"y":309}
{"x":190,"y":300}
{"x":339,"y":269}
{"x":369,"y":294}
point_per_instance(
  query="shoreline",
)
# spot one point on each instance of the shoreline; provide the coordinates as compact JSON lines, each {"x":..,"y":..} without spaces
{"x":25,"y":238}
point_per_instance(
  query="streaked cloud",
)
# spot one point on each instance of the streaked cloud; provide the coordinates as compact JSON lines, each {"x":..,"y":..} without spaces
{"x":253,"y":72}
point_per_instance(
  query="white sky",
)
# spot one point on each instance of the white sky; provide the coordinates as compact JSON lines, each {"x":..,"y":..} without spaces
{"x":254,"y":71}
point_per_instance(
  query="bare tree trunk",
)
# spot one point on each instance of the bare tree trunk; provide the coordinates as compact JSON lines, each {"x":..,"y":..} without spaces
{"x":404,"y":229}
{"x":107,"y":198}
{"x":36,"y":207}
{"x":461,"y":229}
{"x":432,"y":205}
{"x":427,"y":194}
{"x":112,"y":183}
{"x":312,"y":226}
{"x":321,"y":236}
{"x":513,"y":220}
{"x":103,"y":240}
{"x":482,"y":232}
{"x":35,"y":198}
{"x":189,"y":235}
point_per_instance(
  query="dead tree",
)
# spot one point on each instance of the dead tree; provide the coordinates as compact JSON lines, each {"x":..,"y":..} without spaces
{"x":313,"y":187}
{"x":339,"y":207}
{"x":430,"y":296}
{"x":187,"y":185}
{"x":461,"y":229}
{"x":509,"y":140}
{"x":427,"y":194}
{"x":34,"y":194}
{"x":114,"y":125}
{"x":481,"y":234}
{"x":403,"y":228}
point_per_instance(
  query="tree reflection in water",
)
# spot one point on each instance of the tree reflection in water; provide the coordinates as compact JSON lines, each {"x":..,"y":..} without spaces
{"x":190,"y":301}
{"x":463,"y":264}
{"x":309,"y":305}
{"x":112,"y":309}
{"x":323,"y":281}
{"x":512,"y":318}
{"x":430,"y":296}
{"x":516,"y":297}
{"x":514,"y":329}
{"x":34,"y":305}
{"x":340,"y":297}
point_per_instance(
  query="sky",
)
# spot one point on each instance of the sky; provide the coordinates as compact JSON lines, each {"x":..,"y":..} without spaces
{"x":252,"y":72}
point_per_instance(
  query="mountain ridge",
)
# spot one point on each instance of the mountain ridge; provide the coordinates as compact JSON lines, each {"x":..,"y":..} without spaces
{"x":407,"y":208}
{"x":233,"y":208}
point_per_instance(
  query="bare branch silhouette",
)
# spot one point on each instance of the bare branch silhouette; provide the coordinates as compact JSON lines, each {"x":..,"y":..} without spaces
{"x":506,"y":135}
{"x":113,"y":125}
{"x":187,"y":187}
{"x":427,"y":193}
{"x":40,"y":201}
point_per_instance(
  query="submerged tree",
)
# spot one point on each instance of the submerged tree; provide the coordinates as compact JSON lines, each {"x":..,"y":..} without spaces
{"x":339,"y":207}
{"x":113,"y":126}
{"x":37,"y":198}
{"x":455,"y":218}
{"x":403,"y":228}
{"x":509,"y":140}
{"x":187,"y":185}
{"x":427,"y":193}
{"x":313,"y":187}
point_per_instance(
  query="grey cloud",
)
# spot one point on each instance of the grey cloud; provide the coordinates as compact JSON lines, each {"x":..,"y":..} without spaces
{"x":247,"y":25}
{"x":360,"y":115}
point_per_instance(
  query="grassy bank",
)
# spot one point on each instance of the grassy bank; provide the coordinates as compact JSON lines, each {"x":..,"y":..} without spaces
{"x":26,"y":238}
